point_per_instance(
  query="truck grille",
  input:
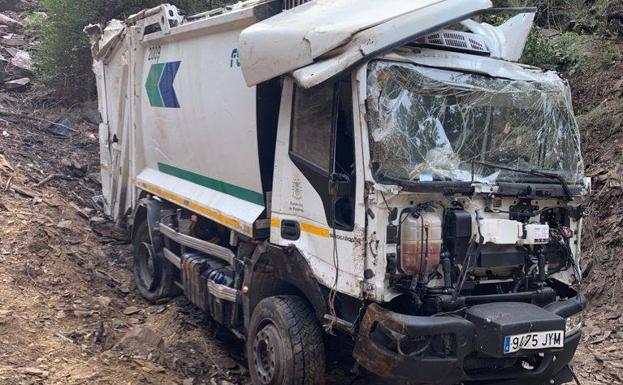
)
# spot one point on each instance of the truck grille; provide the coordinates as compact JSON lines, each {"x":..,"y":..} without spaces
{"x":456,"y":40}
{"x":289,"y":4}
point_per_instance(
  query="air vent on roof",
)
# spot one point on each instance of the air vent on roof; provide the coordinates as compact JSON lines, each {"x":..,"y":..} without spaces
{"x":289,"y":4}
{"x":456,"y":40}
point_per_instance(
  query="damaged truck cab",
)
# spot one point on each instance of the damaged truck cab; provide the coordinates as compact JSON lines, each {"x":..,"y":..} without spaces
{"x":382,"y":174}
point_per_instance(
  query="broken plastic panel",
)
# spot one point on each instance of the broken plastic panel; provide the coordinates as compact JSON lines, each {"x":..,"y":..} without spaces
{"x":430,"y":124}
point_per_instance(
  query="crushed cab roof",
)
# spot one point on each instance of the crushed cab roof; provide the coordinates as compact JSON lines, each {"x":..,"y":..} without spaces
{"x":328,"y":28}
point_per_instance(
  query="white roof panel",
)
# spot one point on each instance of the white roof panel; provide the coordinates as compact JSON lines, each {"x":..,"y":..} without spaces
{"x":297,"y":37}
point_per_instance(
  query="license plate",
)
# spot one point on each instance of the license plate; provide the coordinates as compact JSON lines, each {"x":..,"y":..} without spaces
{"x":534,"y":341}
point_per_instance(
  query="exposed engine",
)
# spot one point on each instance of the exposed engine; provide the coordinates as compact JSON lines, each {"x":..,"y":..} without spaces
{"x":451,"y":257}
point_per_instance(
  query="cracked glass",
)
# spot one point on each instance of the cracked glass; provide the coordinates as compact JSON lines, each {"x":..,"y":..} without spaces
{"x":430,"y":124}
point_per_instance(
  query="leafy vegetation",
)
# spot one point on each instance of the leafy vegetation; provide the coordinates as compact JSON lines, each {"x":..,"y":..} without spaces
{"x":570,"y":52}
{"x":63,"y":57}
{"x":571,"y":36}
{"x":602,"y":17}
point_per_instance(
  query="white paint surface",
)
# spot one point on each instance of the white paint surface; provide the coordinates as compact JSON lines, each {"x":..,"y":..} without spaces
{"x":300,"y":37}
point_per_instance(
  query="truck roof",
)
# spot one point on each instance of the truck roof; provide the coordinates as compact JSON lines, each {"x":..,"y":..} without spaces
{"x":346,"y":31}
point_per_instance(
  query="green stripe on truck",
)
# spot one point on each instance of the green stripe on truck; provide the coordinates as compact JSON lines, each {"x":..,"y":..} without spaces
{"x":225,"y":188}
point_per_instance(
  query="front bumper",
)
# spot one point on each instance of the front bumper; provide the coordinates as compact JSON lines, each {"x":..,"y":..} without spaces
{"x":447,"y":350}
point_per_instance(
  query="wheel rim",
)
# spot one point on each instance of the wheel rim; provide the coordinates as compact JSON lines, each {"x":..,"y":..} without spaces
{"x":267,"y":355}
{"x":147,"y":265}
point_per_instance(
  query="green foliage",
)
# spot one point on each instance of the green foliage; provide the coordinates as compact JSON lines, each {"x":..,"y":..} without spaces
{"x":63,"y":57}
{"x":568,"y":36}
{"x":601,"y":17}
{"x":570,"y":52}
{"x":554,"y":13}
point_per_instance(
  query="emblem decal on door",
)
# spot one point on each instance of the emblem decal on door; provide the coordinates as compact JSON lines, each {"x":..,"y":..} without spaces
{"x":297,"y":188}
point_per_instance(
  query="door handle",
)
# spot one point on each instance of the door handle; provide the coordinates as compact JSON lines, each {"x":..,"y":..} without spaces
{"x":290,"y":230}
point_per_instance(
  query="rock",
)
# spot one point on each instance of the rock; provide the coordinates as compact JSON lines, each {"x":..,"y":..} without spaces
{"x":17,"y":84}
{"x":117,"y":324}
{"x":82,"y":313}
{"x":67,"y":225}
{"x":22,"y":61}
{"x":63,"y":127}
{"x":131,"y":310}
{"x":35,"y":372}
{"x":75,"y":167}
{"x":188,"y":381}
{"x":96,"y":221}
{"x":103,"y":301}
{"x":142,"y":341}
{"x":10,"y":22}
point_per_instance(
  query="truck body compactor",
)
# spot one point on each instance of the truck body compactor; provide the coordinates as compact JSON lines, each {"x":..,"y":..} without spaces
{"x":376,"y":177}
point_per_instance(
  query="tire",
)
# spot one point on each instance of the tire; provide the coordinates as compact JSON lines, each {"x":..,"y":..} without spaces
{"x":285,"y":343}
{"x":154,"y":276}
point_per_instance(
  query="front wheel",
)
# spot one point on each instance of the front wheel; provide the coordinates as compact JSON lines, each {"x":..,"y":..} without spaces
{"x":284,"y":343}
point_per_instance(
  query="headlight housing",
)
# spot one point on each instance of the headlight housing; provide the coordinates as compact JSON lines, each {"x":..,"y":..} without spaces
{"x":573,"y":324}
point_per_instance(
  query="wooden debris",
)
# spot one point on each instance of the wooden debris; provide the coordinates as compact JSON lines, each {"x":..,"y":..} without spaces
{"x":13,"y":40}
{"x":10,"y":22}
{"x":5,"y":166}
{"x":50,"y":178}
{"x":24,"y":191}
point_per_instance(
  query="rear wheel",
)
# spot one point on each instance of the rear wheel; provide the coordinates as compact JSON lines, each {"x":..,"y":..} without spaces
{"x":154,"y":276}
{"x":284,"y":343}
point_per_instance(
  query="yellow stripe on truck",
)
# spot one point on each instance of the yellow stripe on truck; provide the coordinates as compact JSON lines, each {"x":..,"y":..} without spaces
{"x":305,"y":227}
{"x":193,"y":206}
{"x":315,"y":230}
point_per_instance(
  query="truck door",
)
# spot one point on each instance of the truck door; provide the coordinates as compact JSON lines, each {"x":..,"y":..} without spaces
{"x":317,"y":202}
{"x":114,"y":135}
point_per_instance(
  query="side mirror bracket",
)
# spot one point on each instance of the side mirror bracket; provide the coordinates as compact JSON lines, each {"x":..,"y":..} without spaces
{"x":340,"y":186}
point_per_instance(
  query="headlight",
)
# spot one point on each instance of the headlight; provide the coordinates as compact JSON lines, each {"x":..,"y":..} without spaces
{"x":573,"y":324}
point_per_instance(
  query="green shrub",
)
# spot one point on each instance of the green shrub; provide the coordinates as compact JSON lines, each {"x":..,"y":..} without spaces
{"x":62,"y":56}
{"x":569,"y":52}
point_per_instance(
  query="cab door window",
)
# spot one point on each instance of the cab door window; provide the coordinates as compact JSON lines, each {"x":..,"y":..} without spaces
{"x":322,"y":145}
{"x":311,"y":128}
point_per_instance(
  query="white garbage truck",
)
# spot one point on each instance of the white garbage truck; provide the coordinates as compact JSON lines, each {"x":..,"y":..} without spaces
{"x":381,"y":178}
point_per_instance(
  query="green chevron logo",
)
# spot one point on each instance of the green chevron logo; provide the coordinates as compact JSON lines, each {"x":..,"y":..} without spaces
{"x":159,"y":85}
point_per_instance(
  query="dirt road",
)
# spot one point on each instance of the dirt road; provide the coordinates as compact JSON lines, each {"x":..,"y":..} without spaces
{"x":68,"y":310}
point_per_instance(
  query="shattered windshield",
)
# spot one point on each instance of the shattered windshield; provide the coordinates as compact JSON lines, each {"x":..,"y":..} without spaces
{"x":430,"y":124}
